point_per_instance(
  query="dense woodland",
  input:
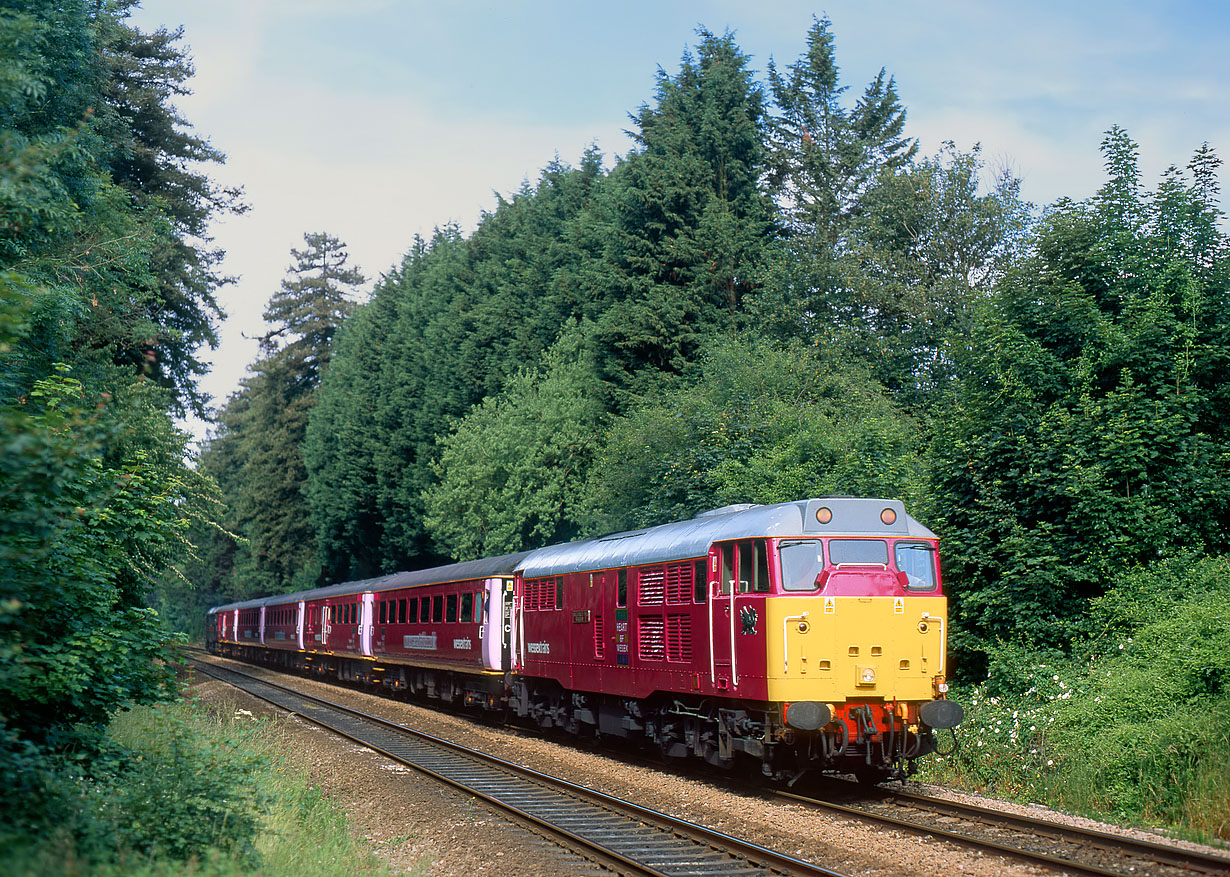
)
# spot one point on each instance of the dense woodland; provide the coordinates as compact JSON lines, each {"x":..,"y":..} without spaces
{"x":773,"y":295}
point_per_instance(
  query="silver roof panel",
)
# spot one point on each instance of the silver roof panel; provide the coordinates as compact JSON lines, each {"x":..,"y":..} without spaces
{"x":691,"y":539}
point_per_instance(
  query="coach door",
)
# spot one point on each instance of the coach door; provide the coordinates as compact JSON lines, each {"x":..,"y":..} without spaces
{"x":367,"y":622}
{"x":496,"y":624}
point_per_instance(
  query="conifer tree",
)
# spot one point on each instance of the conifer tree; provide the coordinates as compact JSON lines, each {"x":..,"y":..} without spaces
{"x":265,"y":425}
{"x":684,"y":221}
{"x":822,"y":156}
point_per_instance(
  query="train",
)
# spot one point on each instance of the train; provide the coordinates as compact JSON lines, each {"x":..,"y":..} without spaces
{"x":788,"y":638}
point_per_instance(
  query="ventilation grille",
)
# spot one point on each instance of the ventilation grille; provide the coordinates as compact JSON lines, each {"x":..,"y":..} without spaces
{"x":651,"y":590}
{"x":652,"y":641}
{"x":539,"y":594}
{"x":679,"y":637}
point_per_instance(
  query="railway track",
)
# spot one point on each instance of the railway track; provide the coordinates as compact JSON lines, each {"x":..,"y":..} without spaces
{"x":1069,"y":849}
{"x":617,"y":835}
{"x":1059,"y":848}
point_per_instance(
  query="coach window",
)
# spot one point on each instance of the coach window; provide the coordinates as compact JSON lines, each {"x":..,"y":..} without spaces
{"x":401,"y":611}
{"x":437,"y":608}
{"x":451,"y":614}
{"x":467,"y":608}
{"x":621,"y":596}
{"x":384,"y":612}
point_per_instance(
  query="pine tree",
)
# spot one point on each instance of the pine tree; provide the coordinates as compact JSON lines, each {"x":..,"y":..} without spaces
{"x":822,"y":156}
{"x":684,"y":222}
{"x":265,"y":424}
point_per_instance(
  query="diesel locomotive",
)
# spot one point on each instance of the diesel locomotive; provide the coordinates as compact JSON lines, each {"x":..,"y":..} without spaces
{"x":800,"y":636}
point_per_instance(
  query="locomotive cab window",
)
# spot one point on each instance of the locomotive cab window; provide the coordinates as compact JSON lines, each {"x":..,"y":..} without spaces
{"x":726,"y":573}
{"x":753,"y":568}
{"x":802,"y":561}
{"x":917,"y":561}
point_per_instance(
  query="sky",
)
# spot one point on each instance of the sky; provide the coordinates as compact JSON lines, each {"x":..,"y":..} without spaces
{"x":376,"y":120}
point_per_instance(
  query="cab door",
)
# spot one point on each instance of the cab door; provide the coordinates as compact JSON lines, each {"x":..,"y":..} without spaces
{"x":723,"y":586}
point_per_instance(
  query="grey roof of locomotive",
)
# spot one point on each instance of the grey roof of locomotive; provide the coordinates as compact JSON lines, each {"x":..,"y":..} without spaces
{"x":852,"y":516}
{"x":682,"y":540}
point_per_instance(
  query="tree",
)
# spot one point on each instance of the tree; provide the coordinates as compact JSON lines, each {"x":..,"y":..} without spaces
{"x":682,"y":222}
{"x":264,"y":426}
{"x":1091,"y":432}
{"x":821,"y":156}
{"x":511,"y":474}
{"x":900,"y":287}
{"x":753,"y":422}
{"x":155,"y":157}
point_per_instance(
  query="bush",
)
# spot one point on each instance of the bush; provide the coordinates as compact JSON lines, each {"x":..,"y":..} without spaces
{"x":1134,"y":726}
{"x":177,"y":789}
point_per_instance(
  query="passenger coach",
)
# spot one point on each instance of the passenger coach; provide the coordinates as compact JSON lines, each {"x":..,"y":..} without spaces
{"x":801,"y":635}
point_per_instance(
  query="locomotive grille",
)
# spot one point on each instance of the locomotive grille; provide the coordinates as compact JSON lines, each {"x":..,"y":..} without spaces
{"x":652,"y":640}
{"x":678,"y":638}
{"x":679,"y":583}
{"x":652,"y":590}
{"x":539,"y":594}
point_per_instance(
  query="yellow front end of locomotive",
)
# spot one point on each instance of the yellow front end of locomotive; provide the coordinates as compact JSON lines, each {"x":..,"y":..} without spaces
{"x":834,"y":649}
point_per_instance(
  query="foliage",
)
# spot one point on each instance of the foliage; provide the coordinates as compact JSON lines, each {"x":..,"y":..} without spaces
{"x":753,"y":422}
{"x":1091,"y":432}
{"x":183,"y":789}
{"x":80,"y":538}
{"x":513,"y":471}
{"x":1133,"y":725}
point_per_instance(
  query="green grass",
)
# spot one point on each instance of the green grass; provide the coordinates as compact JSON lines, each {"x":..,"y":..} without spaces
{"x":189,"y":790}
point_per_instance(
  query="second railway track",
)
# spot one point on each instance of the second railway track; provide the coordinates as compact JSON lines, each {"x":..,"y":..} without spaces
{"x":618,"y":835}
{"x":1064,"y":848}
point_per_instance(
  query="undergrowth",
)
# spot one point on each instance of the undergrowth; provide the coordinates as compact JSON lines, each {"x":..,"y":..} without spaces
{"x":183,"y":789}
{"x":1132,"y":725}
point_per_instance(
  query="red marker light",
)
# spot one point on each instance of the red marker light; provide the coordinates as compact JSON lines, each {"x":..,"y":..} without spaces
{"x":889,"y":517}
